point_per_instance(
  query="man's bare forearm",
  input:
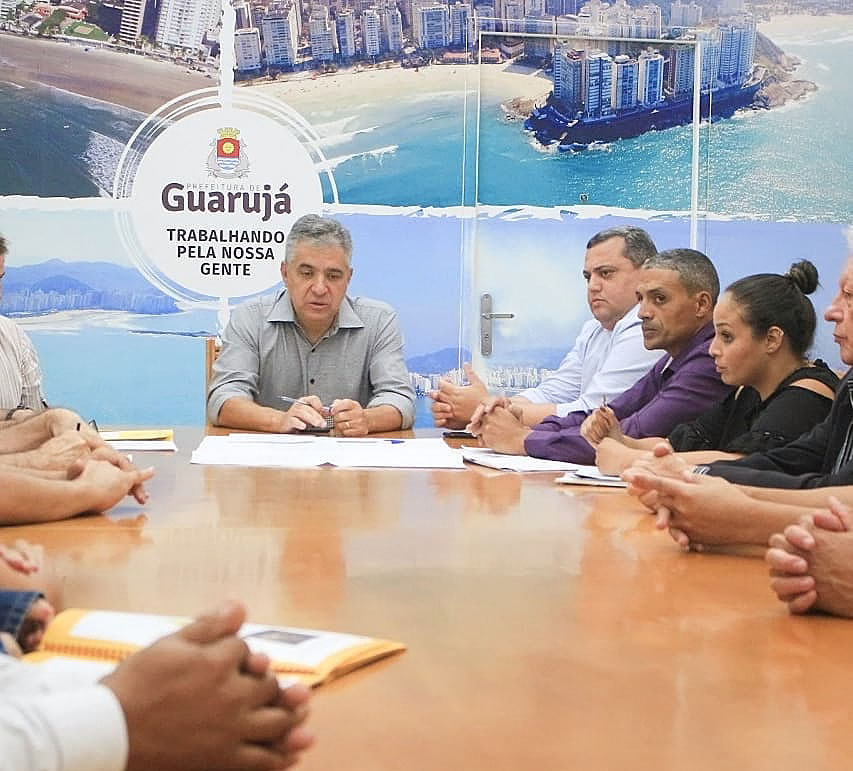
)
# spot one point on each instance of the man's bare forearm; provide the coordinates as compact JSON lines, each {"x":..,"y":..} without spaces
{"x":383,"y":417}
{"x":23,"y":435}
{"x":534,"y":413}
{"x":239,"y":412}
{"x":28,"y":498}
{"x":763,"y":518}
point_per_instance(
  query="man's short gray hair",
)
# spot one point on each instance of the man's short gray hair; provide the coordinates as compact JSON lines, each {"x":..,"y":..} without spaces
{"x":639,"y":246}
{"x":318,"y":230}
{"x":696,"y":271}
{"x":4,"y":249}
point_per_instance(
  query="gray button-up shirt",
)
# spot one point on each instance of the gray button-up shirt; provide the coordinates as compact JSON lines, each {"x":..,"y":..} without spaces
{"x":266,"y":355}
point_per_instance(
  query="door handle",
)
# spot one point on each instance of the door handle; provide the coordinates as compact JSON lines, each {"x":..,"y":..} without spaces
{"x":486,"y":317}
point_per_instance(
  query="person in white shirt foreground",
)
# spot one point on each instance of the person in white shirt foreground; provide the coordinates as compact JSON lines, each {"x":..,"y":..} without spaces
{"x":196,"y":700}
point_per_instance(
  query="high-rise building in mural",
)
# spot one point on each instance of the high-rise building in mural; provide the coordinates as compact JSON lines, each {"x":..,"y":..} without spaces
{"x":650,"y":78}
{"x":569,"y":70}
{"x":514,"y":16}
{"x":685,"y":14}
{"x":184,"y":23}
{"x":247,"y":49}
{"x":130,"y":27}
{"x":435,"y":26}
{"x":484,"y":14}
{"x":598,"y":87}
{"x":539,"y":47}
{"x":280,"y":37}
{"x":345,"y":25}
{"x":242,"y":15}
{"x":371,"y":32}
{"x":392,"y":28}
{"x":737,"y":50}
{"x":709,"y":40}
{"x":322,"y":34}
{"x":460,"y":24}
{"x":623,"y":92}
{"x":561,"y":7}
{"x":681,"y":63}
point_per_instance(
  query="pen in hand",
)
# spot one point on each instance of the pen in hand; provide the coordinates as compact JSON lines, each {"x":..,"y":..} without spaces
{"x":326,"y":411}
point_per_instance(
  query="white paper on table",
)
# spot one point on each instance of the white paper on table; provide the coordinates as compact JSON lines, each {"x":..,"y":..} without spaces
{"x":220,"y":451}
{"x":394,"y":453}
{"x":305,"y":452}
{"x":142,"y":445}
{"x":590,"y":475}
{"x":486,"y":457}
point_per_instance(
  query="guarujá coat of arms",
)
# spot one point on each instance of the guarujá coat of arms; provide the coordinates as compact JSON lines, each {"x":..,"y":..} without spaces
{"x":228,"y":158}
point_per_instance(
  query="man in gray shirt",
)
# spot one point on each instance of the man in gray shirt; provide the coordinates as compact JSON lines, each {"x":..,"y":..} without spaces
{"x":330,"y":355}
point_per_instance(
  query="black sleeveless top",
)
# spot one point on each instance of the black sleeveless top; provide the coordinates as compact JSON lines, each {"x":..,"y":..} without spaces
{"x":742,"y":423}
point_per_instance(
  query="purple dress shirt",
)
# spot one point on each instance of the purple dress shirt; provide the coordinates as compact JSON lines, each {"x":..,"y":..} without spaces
{"x":672,"y":392}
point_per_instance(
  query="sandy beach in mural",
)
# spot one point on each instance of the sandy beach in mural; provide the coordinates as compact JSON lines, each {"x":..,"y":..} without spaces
{"x":378,"y":85}
{"x":138,"y":82}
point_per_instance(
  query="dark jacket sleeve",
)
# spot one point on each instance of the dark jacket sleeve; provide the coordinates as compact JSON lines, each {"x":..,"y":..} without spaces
{"x":798,"y":464}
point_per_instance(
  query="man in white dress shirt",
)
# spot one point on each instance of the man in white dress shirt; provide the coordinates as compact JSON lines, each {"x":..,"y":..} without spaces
{"x":608,"y":356}
{"x":20,"y":374}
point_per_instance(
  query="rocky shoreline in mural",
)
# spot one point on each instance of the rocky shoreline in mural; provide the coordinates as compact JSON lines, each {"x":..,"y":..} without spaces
{"x":775,"y":87}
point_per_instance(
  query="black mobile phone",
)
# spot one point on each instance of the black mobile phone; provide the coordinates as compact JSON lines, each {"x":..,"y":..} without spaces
{"x":457,"y":435}
{"x":324,"y":429}
{"x":315,"y":430}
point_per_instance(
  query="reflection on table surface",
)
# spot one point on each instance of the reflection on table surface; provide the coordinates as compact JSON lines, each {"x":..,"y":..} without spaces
{"x":548,"y":628}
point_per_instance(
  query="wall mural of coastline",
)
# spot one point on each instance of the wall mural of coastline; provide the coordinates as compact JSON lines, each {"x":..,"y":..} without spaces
{"x":418,"y":148}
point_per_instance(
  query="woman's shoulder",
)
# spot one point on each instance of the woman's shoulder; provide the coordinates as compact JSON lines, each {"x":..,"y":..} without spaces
{"x":816,"y":377}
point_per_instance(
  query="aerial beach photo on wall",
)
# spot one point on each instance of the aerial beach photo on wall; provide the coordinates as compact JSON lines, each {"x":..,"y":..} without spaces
{"x":459,"y":128}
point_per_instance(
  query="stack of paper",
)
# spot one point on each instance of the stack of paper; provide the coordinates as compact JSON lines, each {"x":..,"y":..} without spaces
{"x":590,"y":475}
{"x":302,"y":451}
{"x":141,"y":439}
{"x":486,"y":457}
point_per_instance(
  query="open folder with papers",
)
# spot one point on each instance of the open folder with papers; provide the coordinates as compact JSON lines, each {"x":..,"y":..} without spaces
{"x":301,"y":451}
{"x":310,"y":655}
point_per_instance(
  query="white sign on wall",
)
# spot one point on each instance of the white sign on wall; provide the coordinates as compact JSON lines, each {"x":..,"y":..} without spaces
{"x":210,"y":196}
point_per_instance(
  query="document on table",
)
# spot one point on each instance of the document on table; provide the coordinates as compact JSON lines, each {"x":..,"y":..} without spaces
{"x":300,"y":451}
{"x":589,"y":475}
{"x":486,"y":457}
{"x":141,"y":439}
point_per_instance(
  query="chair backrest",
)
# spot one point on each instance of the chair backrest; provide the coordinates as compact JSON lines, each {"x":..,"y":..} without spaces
{"x":212,"y":346}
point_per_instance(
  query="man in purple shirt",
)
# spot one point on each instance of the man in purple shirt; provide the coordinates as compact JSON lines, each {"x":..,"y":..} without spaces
{"x":677,"y":293}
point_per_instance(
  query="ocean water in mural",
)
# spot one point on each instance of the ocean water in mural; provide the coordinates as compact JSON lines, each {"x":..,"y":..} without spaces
{"x":791,"y":162}
{"x":410,"y":147}
{"x":54,"y":143}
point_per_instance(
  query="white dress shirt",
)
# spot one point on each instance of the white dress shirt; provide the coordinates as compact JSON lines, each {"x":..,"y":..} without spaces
{"x":20,"y":374}
{"x":602,"y":365}
{"x":54,"y":719}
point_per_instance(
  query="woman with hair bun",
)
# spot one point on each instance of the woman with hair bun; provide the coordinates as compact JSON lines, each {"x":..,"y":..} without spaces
{"x":764,"y":325}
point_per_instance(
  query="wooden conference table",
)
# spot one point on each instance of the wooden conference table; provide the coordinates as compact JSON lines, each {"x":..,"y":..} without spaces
{"x":548,"y":628}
